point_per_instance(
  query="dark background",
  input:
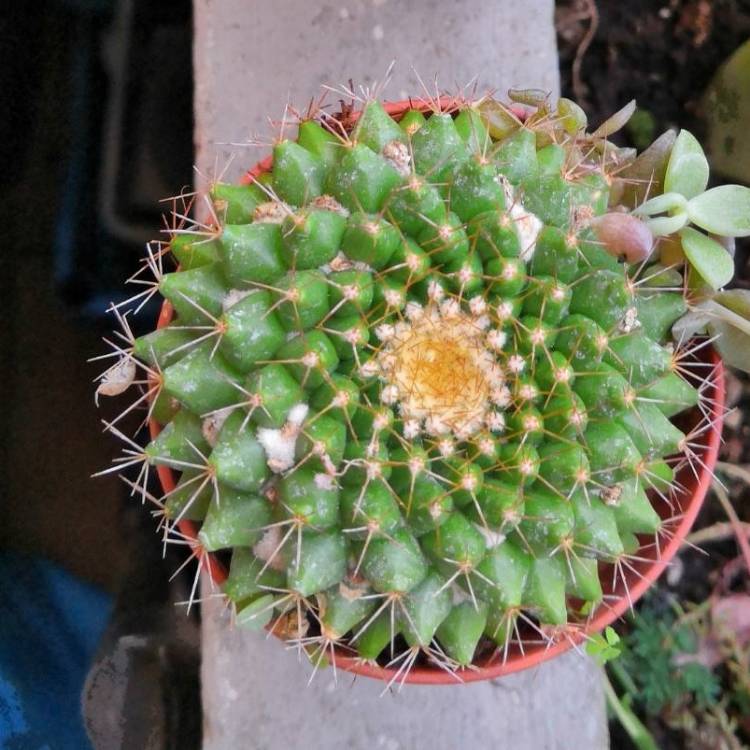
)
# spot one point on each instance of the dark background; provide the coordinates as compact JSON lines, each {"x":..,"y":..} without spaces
{"x":96,"y":128}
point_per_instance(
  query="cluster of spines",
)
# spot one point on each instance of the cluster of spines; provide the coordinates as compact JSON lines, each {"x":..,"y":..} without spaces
{"x":359,"y":504}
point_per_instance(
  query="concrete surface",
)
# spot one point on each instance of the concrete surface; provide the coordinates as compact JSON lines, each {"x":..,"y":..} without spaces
{"x":255,"y":695}
{"x":250,"y":58}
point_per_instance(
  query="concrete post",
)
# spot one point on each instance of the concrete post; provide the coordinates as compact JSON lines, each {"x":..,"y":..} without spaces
{"x":253,"y":56}
{"x":250,"y":58}
{"x":255,"y":695}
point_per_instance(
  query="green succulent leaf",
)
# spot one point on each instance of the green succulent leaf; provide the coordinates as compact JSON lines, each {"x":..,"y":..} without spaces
{"x":663,"y":226}
{"x":531,"y":97}
{"x":615,"y":122}
{"x":645,"y":174}
{"x":668,"y":202}
{"x":572,"y":117}
{"x":727,"y":316}
{"x":736,"y":300}
{"x":673,"y":204}
{"x":687,"y":169}
{"x":500,"y":121}
{"x":691,"y":324}
{"x":727,"y":307}
{"x":732,"y":344}
{"x":723,"y":210}
{"x":709,"y":259}
{"x":604,"y":647}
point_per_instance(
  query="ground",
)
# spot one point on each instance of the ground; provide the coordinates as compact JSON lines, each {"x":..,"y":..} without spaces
{"x":664,"y":55}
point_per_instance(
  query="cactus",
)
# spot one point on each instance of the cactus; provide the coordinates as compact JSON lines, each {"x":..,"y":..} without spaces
{"x":417,"y":380}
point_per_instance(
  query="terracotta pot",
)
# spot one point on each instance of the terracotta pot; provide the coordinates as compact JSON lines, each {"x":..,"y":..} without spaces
{"x":627,"y":588}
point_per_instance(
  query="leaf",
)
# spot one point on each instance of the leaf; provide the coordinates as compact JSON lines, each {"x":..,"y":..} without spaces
{"x":737,"y":300}
{"x":702,"y":683}
{"x":660,"y":275}
{"x":641,"y":128}
{"x":623,"y":235}
{"x":603,"y":649}
{"x":572,"y":117}
{"x":723,"y":210}
{"x":500,"y":121}
{"x":611,"y":635}
{"x":691,"y":324}
{"x":532,"y":97}
{"x":707,"y":257}
{"x":646,"y":174}
{"x":687,"y":169}
{"x":726,"y":314}
{"x":663,"y":226}
{"x":614,"y":123}
{"x":620,"y":155}
{"x":733,"y":344}
{"x":662,"y":203}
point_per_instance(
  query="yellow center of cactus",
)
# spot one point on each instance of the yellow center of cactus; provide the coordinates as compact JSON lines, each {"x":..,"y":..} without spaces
{"x":441,"y":372}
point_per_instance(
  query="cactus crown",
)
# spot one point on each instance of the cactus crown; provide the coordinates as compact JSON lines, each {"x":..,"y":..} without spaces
{"x":417,"y":380}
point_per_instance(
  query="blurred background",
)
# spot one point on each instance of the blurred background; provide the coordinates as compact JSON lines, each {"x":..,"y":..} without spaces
{"x":97,"y":127}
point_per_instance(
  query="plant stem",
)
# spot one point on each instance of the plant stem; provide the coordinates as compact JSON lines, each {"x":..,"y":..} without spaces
{"x":715,"y":533}
{"x":623,"y":677}
{"x":641,"y":737}
{"x":735,"y":521}
{"x":736,"y":471}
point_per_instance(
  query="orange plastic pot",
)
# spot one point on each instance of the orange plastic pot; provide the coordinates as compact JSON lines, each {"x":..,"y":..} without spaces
{"x":621,"y":590}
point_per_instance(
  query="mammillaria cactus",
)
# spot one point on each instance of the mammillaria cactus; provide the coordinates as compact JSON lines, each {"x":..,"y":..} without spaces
{"x":418,"y":377}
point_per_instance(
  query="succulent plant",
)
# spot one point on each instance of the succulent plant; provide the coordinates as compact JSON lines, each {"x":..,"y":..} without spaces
{"x":418,"y":378}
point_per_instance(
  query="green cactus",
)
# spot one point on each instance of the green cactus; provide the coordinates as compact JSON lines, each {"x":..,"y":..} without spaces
{"x":410,"y":386}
